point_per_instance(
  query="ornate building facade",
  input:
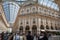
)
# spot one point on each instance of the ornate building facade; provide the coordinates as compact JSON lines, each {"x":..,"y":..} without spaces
{"x":32,"y":15}
{"x":36,"y":18}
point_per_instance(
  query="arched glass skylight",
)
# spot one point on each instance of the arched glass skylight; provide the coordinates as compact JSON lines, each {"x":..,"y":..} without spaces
{"x":49,"y":3}
{"x":11,"y":10}
{"x":20,"y":1}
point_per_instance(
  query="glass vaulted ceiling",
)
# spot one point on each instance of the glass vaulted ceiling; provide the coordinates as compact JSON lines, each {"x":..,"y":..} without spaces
{"x":49,"y":3}
{"x":11,"y":10}
{"x":20,"y":1}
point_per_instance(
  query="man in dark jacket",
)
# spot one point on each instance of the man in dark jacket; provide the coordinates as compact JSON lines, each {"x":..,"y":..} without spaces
{"x":45,"y":36}
{"x":29,"y":36}
{"x":2,"y":34}
{"x":6,"y":36}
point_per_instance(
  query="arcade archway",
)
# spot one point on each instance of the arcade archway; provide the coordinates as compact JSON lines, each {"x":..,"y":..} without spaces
{"x":21,"y":29}
{"x":47,"y":27}
{"x":27,"y":29}
{"x":41,"y":27}
{"x":34,"y":29}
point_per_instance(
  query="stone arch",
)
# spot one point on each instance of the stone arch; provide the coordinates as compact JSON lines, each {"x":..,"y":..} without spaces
{"x":21,"y":29}
{"x":47,"y":27}
{"x":52,"y":27}
{"x":34,"y":29}
{"x":42,"y":27}
{"x":27,"y":29}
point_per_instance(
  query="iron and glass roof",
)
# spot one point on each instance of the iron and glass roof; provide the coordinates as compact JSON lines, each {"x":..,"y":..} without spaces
{"x":49,"y":3}
{"x":11,"y":8}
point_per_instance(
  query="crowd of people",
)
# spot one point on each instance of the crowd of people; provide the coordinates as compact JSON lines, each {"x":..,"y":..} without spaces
{"x":22,"y":36}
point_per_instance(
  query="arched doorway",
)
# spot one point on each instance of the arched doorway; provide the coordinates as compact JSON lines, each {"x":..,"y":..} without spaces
{"x":47,"y":27}
{"x":52,"y":27}
{"x":27,"y":29}
{"x":21,"y":29}
{"x":41,"y":27}
{"x":34,"y":29}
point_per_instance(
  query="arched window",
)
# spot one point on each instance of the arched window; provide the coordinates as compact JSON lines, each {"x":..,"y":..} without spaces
{"x":42,"y":27}
{"x":27,"y":28}
{"x":33,"y":8}
{"x":34,"y":21}
{"x":27,"y":22}
{"x":47,"y":27}
{"x":34,"y":29}
{"x":21,"y":28}
{"x":28,"y":10}
{"x":52,"y":27}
